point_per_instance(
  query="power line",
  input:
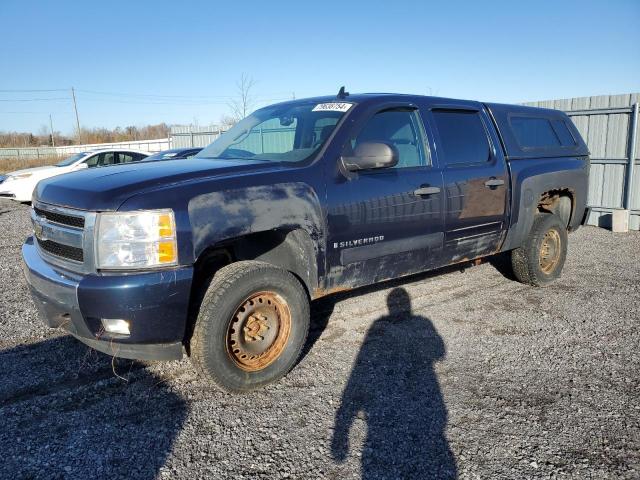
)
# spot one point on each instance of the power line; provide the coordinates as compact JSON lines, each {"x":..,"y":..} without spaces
{"x":152,"y":96}
{"x":34,"y":113}
{"x":147,"y":95}
{"x":34,"y":99}
{"x":151,"y":102}
{"x":32,"y":91}
{"x":186,"y":103}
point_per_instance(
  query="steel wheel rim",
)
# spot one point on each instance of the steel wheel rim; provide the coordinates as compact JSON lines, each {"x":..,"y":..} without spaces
{"x":258,"y":331}
{"x":550,"y":251}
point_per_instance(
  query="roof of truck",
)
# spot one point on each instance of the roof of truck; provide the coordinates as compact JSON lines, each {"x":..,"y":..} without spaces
{"x":503,"y":115}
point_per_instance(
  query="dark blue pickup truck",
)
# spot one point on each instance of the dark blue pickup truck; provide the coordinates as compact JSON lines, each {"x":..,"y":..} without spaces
{"x":219,"y":256}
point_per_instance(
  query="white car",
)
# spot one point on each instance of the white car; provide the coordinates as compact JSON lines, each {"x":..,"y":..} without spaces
{"x":19,"y":185}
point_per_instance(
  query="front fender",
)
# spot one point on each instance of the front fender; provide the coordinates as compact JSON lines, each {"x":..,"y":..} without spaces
{"x":223,"y":215}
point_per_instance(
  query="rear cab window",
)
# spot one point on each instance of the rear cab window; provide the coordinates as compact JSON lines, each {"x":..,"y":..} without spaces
{"x":540,"y":132}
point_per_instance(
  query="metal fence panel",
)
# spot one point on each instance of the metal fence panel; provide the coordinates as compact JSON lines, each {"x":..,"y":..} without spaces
{"x":185,"y":136}
{"x":150,"y":146}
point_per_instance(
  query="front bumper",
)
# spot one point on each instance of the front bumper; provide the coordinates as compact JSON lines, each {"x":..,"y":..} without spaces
{"x":155,"y":304}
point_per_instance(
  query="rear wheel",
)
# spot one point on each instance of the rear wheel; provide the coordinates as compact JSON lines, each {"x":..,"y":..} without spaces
{"x":540,"y":259}
{"x":251,"y":327}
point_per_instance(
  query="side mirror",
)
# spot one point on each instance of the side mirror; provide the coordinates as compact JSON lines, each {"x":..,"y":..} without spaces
{"x":81,"y":166}
{"x":369,"y":155}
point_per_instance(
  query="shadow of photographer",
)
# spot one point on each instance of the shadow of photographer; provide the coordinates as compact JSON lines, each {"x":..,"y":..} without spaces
{"x":394,"y":389}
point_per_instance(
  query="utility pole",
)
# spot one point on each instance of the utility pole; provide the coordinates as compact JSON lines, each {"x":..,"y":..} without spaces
{"x":75,"y":107}
{"x":53,"y":140}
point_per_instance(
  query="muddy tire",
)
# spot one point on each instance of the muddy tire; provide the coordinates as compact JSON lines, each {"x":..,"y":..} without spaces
{"x":540,"y":259}
{"x":251,"y":327}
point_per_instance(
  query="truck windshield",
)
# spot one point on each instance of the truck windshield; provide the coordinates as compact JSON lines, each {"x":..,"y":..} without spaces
{"x":289,"y":132}
{"x":71,"y":160}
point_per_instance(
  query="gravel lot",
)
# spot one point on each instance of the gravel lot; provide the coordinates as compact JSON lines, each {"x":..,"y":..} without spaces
{"x":458,"y":373}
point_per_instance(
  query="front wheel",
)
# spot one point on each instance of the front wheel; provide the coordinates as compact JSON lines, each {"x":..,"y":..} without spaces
{"x":252,"y":325}
{"x":540,"y":259}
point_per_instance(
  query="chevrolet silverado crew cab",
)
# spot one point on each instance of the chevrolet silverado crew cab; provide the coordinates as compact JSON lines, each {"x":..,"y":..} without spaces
{"x":218,"y":256}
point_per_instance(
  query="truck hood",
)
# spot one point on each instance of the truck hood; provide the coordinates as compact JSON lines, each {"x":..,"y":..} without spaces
{"x":106,"y":188}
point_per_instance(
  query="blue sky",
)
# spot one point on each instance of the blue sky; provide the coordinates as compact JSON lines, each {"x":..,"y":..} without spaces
{"x":178,"y":62}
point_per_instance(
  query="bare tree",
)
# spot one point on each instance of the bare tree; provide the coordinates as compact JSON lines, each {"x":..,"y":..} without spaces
{"x":243,"y":104}
{"x":227,"y":121}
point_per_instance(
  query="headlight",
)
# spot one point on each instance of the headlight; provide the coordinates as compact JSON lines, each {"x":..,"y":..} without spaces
{"x":19,"y":176}
{"x":134,"y":240}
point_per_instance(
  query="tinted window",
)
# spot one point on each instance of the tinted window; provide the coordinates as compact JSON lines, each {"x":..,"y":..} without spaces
{"x":566,"y":139}
{"x":92,"y":161}
{"x":166,"y":155}
{"x":462,"y":136}
{"x":107,"y":158}
{"x":534,"y":132}
{"x":400,"y":128}
{"x":101,"y":159}
{"x":125,"y":157}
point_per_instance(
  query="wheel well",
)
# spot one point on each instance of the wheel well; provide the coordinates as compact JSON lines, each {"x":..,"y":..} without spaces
{"x":291,"y":250}
{"x":559,"y":201}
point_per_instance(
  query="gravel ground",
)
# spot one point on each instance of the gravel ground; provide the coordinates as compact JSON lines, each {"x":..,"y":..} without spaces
{"x":460,"y":373}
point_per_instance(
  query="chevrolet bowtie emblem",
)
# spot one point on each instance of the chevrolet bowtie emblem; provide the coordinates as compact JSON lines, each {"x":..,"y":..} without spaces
{"x":39,"y":230}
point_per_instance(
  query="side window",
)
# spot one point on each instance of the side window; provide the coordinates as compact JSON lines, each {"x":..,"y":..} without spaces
{"x":125,"y":157}
{"x":534,"y":132}
{"x":566,"y":139}
{"x":92,"y":161}
{"x":400,"y":128}
{"x":107,"y":158}
{"x":463,"y":137}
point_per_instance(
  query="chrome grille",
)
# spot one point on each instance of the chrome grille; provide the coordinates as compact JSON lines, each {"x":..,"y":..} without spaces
{"x":62,"y":219}
{"x":61,"y":250}
{"x":64,"y":236}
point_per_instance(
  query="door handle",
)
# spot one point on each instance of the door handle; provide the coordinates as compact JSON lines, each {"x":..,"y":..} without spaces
{"x":493,"y":182}
{"x":426,"y":191}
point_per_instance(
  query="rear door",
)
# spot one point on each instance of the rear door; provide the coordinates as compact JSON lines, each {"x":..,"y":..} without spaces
{"x":475,"y":180}
{"x":387,"y":222}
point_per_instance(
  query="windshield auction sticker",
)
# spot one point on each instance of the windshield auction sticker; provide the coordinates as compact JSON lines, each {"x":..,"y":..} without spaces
{"x":332,"y":107}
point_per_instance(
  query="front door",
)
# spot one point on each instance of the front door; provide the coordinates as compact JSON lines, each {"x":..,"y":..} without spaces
{"x":475,"y":182}
{"x":386,"y":222}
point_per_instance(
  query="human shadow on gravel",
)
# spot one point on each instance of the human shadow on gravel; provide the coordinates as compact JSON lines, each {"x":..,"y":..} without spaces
{"x":394,"y":390}
{"x":65,"y":414}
